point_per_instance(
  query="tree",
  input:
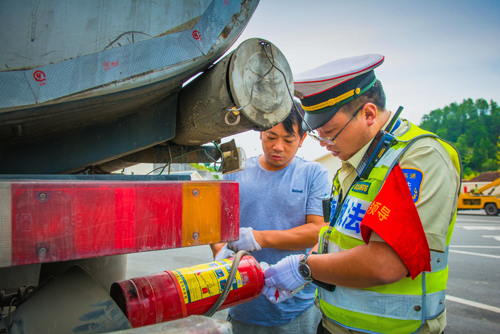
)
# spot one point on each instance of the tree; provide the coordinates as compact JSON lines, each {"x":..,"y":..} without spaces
{"x":464,"y":149}
{"x":469,"y":173}
{"x":493,"y":121}
{"x":478,"y":157}
{"x":482,"y":106}
{"x":474,"y":127}
{"x":489,"y":165}
{"x":487,"y":149}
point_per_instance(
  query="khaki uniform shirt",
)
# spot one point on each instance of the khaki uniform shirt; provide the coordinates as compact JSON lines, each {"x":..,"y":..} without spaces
{"x":436,"y":205}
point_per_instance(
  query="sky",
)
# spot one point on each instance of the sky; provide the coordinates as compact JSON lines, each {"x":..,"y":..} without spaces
{"x":436,"y":52}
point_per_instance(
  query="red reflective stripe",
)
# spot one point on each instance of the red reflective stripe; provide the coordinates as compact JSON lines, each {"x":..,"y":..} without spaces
{"x":59,"y":221}
{"x":38,"y":233}
{"x":230,"y":219}
{"x":159,"y":222}
{"x":125,"y":219}
{"x":95,"y":220}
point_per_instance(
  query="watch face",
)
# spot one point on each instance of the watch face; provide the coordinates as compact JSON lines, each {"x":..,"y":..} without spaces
{"x":305,"y":271}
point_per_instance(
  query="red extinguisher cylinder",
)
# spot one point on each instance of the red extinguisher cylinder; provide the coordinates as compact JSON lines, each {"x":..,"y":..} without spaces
{"x":179,"y":293}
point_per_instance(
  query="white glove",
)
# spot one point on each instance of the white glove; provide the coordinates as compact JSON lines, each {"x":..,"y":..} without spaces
{"x":247,"y":241}
{"x":224,"y":253}
{"x":276,"y":296}
{"x":285,"y":275}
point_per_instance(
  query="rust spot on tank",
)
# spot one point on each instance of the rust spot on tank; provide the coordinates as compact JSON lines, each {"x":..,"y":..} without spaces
{"x":188,"y":25}
{"x":237,"y":18}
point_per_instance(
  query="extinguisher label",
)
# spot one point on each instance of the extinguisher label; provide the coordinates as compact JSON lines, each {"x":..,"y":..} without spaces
{"x":205,"y":280}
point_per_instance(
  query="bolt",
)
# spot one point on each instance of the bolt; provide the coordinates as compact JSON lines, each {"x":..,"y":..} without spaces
{"x":196,"y":192}
{"x":42,"y":251}
{"x":195,"y":235}
{"x":42,"y":196}
{"x":417,"y":308}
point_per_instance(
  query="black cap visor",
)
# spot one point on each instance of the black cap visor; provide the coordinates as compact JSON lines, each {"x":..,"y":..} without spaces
{"x":317,"y":120}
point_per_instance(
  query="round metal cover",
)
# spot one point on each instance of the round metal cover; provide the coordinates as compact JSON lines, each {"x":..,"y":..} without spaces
{"x":258,"y":86}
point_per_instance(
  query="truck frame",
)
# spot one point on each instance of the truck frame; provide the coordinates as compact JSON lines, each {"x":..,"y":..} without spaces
{"x":155,"y":87}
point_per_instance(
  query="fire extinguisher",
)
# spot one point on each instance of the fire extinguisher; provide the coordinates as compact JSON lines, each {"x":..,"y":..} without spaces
{"x":201,"y":290}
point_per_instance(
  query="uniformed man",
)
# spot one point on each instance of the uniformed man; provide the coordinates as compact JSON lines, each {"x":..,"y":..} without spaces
{"x":383,"y":260}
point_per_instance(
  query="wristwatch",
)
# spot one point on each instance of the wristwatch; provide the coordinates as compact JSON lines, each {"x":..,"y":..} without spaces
{"x":304,"y":269}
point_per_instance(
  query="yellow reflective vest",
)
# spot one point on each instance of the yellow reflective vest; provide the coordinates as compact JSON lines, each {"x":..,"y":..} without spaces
{"x":400,"y":307}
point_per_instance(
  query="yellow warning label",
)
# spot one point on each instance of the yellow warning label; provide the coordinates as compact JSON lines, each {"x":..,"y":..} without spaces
{"x":205,"y":280}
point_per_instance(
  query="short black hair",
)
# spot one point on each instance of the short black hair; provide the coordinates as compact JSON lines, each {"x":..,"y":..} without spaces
{"x":294,"y":119}
{"x":375,"y":95}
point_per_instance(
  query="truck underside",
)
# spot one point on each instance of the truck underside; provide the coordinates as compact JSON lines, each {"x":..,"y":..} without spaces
{"x":139,"y":94}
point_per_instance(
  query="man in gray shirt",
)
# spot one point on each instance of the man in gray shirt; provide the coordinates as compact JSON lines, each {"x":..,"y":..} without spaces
{"x":280,"y":214}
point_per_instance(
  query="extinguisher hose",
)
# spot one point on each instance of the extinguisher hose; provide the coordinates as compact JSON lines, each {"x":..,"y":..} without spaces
{"x":227,"y":288}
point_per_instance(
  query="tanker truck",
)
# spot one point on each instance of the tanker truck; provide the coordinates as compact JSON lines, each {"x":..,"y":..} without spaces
{"x":88,"y":88}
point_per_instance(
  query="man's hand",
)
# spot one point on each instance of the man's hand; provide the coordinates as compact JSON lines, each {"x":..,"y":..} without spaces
{"x":285,"y":274}
{"x":224,"y":253}
{"x":247,"y":241}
